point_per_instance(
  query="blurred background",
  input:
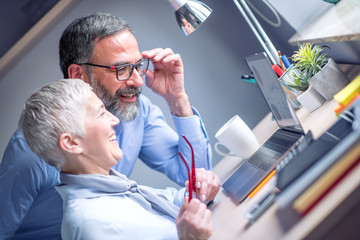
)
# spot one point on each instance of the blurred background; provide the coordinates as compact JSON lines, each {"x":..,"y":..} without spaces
{"x":213,"y":57}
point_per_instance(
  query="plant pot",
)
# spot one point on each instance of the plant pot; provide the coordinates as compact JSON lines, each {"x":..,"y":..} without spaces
{"x":311,"y":99}
{"x":330,"y":80}
{"x":290,"y":93}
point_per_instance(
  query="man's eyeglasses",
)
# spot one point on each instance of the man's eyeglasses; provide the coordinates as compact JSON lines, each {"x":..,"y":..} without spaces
{"x":124,"y":72}
{"x":192,"y":176}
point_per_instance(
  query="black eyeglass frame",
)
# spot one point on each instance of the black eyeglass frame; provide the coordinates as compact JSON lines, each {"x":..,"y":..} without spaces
{"x":145,"y":60}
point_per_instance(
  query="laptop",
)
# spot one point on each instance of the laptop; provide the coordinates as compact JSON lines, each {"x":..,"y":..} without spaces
{"x":289,"y":135}
{"x":289,"y":172}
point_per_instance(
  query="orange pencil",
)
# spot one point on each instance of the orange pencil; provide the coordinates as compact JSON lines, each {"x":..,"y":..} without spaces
{"x":266,"y":180}
{"x":281,"y":62}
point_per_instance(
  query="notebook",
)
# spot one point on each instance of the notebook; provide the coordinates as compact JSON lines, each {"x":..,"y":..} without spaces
{"x":287,"y":137}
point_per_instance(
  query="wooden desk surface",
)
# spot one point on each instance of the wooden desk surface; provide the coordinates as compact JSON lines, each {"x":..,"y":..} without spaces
{"x":228,"y":216}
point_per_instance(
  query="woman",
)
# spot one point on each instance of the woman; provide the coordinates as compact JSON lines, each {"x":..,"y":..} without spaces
{"x":67,"y":125}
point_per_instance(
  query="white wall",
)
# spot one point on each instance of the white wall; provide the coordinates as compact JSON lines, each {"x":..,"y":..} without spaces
{"x":213,"y":58}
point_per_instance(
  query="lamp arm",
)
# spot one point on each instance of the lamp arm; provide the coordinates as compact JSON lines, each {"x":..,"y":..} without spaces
{"x":258,"y":31}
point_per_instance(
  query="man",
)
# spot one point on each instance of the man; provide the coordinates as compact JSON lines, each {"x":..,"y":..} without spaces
{"x":95,"y":48}
{"x":67,"y":125}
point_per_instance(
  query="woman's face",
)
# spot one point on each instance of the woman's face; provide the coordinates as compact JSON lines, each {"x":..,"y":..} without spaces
{"x":100,"y":146}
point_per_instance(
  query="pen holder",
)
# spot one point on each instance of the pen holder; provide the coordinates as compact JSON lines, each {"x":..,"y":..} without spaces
{"x":291,"y":93}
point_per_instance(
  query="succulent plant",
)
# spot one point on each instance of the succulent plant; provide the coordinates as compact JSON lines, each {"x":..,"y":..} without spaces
{"x":309,"y":60}
{"x":300,"y":81}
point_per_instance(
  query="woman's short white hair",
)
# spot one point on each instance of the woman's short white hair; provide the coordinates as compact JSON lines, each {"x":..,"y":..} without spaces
{"x":56,"y":108}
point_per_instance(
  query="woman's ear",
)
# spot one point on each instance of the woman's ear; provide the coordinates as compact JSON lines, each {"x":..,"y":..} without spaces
{"x":76,"y":71}
{"x":69,"y":143}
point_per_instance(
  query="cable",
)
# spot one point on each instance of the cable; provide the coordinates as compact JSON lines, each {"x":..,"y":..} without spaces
{"x":278,"y":19}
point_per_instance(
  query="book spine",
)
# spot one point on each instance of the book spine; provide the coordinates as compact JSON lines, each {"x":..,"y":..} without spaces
{"x":323,"y":185}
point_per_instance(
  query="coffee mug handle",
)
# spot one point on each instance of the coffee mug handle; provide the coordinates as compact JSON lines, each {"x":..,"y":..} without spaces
{"x":218,"y":151}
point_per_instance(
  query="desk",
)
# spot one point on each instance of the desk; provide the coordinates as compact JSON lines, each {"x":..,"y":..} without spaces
{"x":228,"y":216}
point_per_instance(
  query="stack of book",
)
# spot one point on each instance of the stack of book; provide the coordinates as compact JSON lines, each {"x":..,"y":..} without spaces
{"x":310,"y":188}
{"x":327,"y":181}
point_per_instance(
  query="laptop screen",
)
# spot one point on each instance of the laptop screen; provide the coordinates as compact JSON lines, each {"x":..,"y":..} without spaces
{"x":272,"y":91}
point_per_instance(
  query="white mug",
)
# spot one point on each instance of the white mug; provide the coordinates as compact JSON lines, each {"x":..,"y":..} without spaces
{"x":236,"y":136}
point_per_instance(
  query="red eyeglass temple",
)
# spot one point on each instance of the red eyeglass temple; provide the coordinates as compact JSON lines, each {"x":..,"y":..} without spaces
{"x":192,"y":178}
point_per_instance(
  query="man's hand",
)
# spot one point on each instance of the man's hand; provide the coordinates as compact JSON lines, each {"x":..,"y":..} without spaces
{"x":194,"y":221}
{"x":167,"y":79}
{"x":207,"y":184}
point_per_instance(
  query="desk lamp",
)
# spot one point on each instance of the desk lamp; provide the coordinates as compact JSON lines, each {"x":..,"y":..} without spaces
{"x":190,"y":14}
{"x":258,"y":30}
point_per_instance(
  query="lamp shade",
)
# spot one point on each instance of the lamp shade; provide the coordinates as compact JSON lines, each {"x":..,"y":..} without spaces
{"x":190,"y":14}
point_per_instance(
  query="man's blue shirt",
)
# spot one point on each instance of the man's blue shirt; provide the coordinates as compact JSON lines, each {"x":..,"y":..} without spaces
{"x":32,"y":209}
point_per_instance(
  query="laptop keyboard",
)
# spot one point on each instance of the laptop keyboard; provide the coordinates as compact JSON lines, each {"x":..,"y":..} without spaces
{"x":264,"y":158}
{"x":272,"y":150}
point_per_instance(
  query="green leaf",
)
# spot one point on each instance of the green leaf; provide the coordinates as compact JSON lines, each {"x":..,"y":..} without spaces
{"x":309,"y":59}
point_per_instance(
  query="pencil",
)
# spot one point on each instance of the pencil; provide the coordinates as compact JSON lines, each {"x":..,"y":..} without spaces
{"x":266,"y":180}
{"x":281,"y":62}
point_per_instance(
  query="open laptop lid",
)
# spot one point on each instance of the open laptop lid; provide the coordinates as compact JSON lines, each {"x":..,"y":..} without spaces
{"x":273,"y":92}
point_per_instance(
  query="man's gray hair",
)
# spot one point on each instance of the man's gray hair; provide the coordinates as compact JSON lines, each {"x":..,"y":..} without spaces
{"x":78,"y":39}
{"x":56,"y":108}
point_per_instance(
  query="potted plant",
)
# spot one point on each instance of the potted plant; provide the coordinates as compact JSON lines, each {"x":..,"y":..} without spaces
{"x":306,"y":94}
{"x":298,"y":80}
{"x":318,"y":70}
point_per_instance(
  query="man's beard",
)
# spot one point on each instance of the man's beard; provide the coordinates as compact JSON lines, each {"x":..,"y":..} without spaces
{"x":124,"y":111}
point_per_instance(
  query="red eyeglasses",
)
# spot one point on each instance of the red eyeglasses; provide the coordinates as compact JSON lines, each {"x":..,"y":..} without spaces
{"x":192,"y":176}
